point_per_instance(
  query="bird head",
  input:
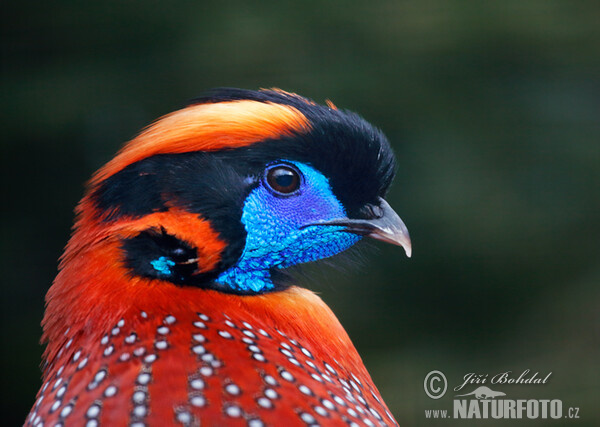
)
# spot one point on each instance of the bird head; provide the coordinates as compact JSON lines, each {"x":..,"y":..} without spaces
{"x":225,"y":193}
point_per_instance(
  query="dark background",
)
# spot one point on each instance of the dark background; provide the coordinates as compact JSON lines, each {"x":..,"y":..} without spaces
{"x":493,"y":109}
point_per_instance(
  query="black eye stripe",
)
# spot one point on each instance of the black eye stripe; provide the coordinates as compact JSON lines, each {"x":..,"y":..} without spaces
{"x":283,"y":179}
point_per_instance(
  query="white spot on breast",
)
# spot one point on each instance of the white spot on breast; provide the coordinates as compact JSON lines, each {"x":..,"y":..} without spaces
{"x":169,"y":320}
{"x":139,"y":397}
{"x":230,"y":323}
{"x":286,"y":375}
{"x":139,"y":411}
{"x":93,"y":411}
{"x":305,"y":389}
{"x":259,"y":357}
{"x":198,"y":349}
{"x":143,"y":378}
{"x":255,"y":422}
{"x":91,"y":423}
{"x":263,"y":402}
{"x":130,"y":339}
{"x":197,"y":401}
{"x":66,"y":411}
{"x":151,"y":358}
{"x":233,"y":411}
{"x":247,"y":325}
{"x":55,"y":406}
{"x":61,"y":391}
{"x":124,"y":357}
{"x":306,"y":352}
{"x":270,"y":380}
{"x":320,"y":410}
{"x":163,"y":330}
{"x":352,"y":412}
{"x":121,"y":323}
{"x":184,"y":417}
{"x":232,"y":389}
{"x":226,"y":335}
{"x":368,"y":422}
{"x":200,"y":325}
{"x":249,"y":334}
{"x":316,"y":378}
{"x":108,"y":350}
{"x":206,"y":371}
{"x":110,"y":391}
{"x":144,"y":314}
{"x":161,"y":345}
{"x":139,"y":351}
{"x":76,"y":355}
{"x":197,"y":384}
{"x":115,"y":331}
{"x":104,"y":340}
{"x":286,"y":352}
{"x":204,"y":317}
{"x":307,"y":418}
{"x":198,"y":338}
{"x":68,"y":344}
{"x":271,"y":394}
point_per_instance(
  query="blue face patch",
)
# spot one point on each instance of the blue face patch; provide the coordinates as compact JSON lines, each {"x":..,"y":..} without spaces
{"x":278,"y":235}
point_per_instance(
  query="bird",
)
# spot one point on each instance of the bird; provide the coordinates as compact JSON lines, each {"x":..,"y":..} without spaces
{"x":173,"y":303}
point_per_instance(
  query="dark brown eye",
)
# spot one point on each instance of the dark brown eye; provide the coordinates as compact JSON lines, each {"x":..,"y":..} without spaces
{"x":283,"y":179}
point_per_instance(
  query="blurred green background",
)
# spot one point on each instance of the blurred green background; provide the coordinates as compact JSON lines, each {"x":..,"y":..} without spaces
{"x":493,"y":109}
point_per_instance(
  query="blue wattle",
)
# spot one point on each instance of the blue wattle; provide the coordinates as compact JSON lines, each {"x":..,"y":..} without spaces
{"x":163,"y":265}
{"x":277,"y":236}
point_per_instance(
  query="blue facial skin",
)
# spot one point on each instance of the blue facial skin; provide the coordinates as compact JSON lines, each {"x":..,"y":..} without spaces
{"x":275,"y":234}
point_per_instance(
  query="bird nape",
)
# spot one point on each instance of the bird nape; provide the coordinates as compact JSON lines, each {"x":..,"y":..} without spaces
{"x":169,"y":306}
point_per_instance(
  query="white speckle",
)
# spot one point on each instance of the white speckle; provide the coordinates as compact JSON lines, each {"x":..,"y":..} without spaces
{"x":339,"y":400}
{"x":226,"y":335}
{"x":249,"y":334}
{"x":143,"y":378}
{"x":198,"y":401}
{"x":327,"y":378}
{"x":200,"y":325}
{"x":163,"y":330}
{"x":361,"y":399}
{"x":144,"y":314}
{"x":352,"y":412}
{"x":307,"y":353}
{"x":60,"y":370}
{"x":286,"y":346}
{"x":198,"y":349}
{"x":100,"y":375}
{"x":61,"y":391}
{"x":124,"y":357}
{"x":389,"y":415}
{"x":264,"y":333}
{"x":247,"y":340}
{"x":203,"y":317}
{"x":121,"y":323}
{"x":359,"y":409}
{"x":232,"y":389}
{"x":286,"y":375}
{"x":294,"y":361}
{"x":55,"y":405}
{"x":110,"y":391}
{"x":255,"y":423}
{"x":259,"y":357}
{"x":354,"y":386}
{"x":139,"y":351}
{"x":247,"y":325}
{"x":368,"y":422}
{"x":197,"y":384}
{"x":208,"y":357}
{"x":328,"y":404}
{"x":230,"y":323}
{"x":139,"y":397}
{"x":184,"y":417}
{"x":68,"y":344}
{"x":316,"y":378}
{"x":320,"y":410}
{"x":76,"y":355}
{"x":45,"y":386}
{"x":233,"y":411}
{"x":151,"y":358}
{"x":198,"y":338}
{"x":270,"y":380}
{"x":137,"y":424}
{"x":206,"y":371}
{"x":329,"y":368}
{"x":286,"y":353}
{"x":270,"y":393}
{"x":263,"y":402}
{"x":312,"y":365}
{"x":108,"y":350}
{"x":90,"y":423}
{"x":115,"y":331}
{"x":104,"y":340}
{"x":161,"y":345}
{"x":375,"y":413}
{"x":57,"y":383}
{"x":130,"y":339}
{"x":215,"y":364}
{"x":254,"y":349}
{"x":139,"y":411}
{"x":93,"y":411}
{"x":305,"y":390}
{"x":67,"y":331}
{"x":66,"y":411}
{"x":375,"y":396}
{"x":39,"y":401}
{"x":169,"y":320}
{"x":294,"y":342}
{"x":307,"y":418}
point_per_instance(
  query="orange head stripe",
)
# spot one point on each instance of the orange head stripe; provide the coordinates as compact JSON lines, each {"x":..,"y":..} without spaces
{"x":209,"y":127}
{"x":185,"y":226}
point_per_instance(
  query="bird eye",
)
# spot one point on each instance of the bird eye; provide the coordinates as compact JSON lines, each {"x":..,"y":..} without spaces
{"x":283,"y":179}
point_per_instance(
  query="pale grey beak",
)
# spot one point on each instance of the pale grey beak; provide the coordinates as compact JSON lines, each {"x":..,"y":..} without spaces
{"x":385,"y":226}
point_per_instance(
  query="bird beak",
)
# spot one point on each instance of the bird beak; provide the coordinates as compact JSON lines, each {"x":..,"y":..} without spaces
{"x":385,"y":226}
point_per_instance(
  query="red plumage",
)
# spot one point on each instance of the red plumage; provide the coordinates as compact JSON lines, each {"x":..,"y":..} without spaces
{"x":128,"y":350}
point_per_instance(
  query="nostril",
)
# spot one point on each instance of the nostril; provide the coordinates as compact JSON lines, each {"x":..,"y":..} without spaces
{"x":370,"y":211}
